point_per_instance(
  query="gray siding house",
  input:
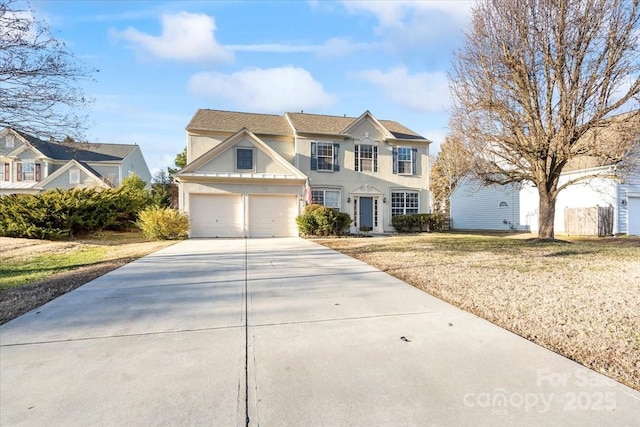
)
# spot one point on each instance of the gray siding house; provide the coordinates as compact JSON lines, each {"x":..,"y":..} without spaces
{"x":30,"y":165}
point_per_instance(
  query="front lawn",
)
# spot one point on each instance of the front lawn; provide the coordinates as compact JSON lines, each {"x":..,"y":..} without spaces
{"x":580,"y":299}
{"x":33,"y":272}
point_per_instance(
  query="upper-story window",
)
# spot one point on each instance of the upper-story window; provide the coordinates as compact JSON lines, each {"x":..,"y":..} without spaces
{"x":366,"y":158}
{"x":28,"y":172}
{"x":74,"y":176}
{"x":405,"y":161}
{"x":9,"y":141}
{"x":324,"y":156}
{"x":244,"y":159}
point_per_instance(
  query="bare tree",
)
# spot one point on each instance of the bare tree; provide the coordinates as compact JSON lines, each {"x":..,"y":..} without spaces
{"x":449,"y":168}
{"x":39,"y":78}
{"x":535,"y":83}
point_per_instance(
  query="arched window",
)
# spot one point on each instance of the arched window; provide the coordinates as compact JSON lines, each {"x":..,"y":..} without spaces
{"x":503,"y":204}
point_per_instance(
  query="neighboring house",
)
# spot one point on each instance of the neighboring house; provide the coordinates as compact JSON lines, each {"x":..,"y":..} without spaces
{"x":515,"y":206}
{"x":30,"y":165}
{"x":477,"y":207}
{"x":246,"y":173}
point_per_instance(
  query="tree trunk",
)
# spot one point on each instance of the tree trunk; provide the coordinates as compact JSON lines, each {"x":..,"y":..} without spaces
{"x":547,"y":213}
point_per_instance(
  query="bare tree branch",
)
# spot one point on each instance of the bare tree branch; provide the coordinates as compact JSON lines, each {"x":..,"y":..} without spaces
{"x":39,"y":78}
{"x":537,"y":80}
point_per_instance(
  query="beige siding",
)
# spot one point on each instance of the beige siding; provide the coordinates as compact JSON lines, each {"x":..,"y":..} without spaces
{"x":384,"y":181}
{"x":233,"y":188}
{"x":226,"y":161}
{"x":200,"y":144}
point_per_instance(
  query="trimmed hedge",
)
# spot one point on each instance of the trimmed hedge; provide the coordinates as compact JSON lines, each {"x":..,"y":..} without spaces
{"x":57,"y":213}
{"x":413,"y":223}
{"x":317,"y":220}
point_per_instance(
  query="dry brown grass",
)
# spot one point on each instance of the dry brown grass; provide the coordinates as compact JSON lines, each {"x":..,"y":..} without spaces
{"x":580,"y":298}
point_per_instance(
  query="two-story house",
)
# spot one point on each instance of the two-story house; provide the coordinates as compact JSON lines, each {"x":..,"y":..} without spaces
{"x":30,"y":165}
{"x":247,"y":174}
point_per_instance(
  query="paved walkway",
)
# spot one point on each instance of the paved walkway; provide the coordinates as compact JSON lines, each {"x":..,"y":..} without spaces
{"x":285,"y":333}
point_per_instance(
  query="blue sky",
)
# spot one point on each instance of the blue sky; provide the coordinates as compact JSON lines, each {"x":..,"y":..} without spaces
{"x":161,"y":61}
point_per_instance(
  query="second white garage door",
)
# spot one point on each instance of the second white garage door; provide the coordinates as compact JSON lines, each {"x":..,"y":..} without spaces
{"x":216,"y":215}
{"x":272,"y":215}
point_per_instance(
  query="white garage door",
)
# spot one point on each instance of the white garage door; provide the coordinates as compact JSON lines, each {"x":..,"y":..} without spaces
{"x":633,"y":215}
{"x":216,"y":215}
{"x":273,"y":215}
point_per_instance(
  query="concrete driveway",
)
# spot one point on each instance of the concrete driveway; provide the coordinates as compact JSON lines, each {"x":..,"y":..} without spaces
{"x":281,"y":332}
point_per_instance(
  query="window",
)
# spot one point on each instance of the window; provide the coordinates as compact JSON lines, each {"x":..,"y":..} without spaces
{"x":504,"y":204}
{"x":324,"y":156}
{"x":10,"y":142}
{"x":404,"y":202}
{"x":28,"y":171}
{"x":244,"y":159}
{"x":74,"y":176}
{"x":405,"y":161}
{"x":366,"y":158}
{"x":328,"y":198}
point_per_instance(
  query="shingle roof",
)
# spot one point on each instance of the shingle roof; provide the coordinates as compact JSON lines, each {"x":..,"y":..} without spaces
{"x":270,"y":124}
{"x":400,"y":131}
{"x":319,"y":124}
{"x":81,"y":151}
{"x":231,"y":121}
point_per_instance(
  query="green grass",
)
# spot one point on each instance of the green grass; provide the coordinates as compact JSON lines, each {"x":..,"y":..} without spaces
{"x":21,"y":272}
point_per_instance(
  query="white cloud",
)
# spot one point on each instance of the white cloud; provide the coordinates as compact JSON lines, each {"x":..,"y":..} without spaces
{"x":272,"y":48}
{"x":185,"y":36}
{"x":407,"y":24}
{"x":334,"y":47}
{"x":426,"y":91}
{"x":270,"y":90}
{"x":394,"y":13}
{"x":341,"y":47}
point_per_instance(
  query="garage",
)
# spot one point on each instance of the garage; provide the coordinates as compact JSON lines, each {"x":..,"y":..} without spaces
{"x":216,"y":215}
{"x":273,"y":215}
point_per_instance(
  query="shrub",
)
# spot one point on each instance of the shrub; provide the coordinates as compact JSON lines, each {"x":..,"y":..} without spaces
{"x":405,"y":223}
{"x":418,"y":222}
{"x":163,"y":223}
{"x":58,"y":213}
{"x":318,"y":220}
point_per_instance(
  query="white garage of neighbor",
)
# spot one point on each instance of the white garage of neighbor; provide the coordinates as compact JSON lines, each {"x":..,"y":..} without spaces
{"x":633,"y":214}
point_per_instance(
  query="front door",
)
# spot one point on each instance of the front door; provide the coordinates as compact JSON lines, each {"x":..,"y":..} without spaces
{"x":366,"y":212}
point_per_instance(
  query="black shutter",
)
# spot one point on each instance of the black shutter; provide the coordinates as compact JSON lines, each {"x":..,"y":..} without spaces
{"x":7,"y":172}
{"x":375,"y":159}
{"x":38,"y":174}
{"x":18,"y":171}
{"x":414,"y":161}
{"x":336,"y":158}
{"x":356,"y":154}
{"x":395,"y":160}
{"x":314,"y":157}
